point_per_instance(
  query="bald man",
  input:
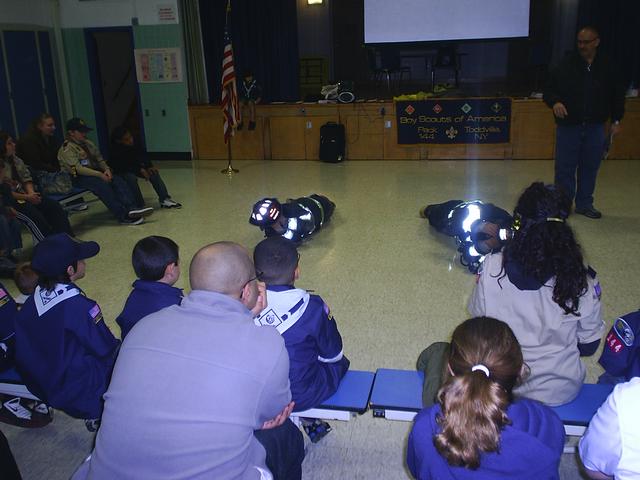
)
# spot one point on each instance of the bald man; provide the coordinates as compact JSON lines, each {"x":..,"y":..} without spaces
{"x":584,"y":91}
{"x":194,"y":381}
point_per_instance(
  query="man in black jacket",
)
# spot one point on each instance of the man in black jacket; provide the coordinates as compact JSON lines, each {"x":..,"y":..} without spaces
{"x":584,"y":91}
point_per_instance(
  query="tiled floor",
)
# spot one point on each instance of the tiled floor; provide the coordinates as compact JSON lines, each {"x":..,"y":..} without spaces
{"x":393,"y":284}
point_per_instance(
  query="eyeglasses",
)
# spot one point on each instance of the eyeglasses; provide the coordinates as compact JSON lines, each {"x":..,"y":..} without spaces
{"x":587,"y":42}
{"x":257,"y":277}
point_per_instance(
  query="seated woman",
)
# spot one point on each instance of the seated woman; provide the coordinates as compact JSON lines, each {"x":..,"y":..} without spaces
{"x":41,"y":215}
{"x":128,"y":162}
{"x":540,"y":286}
{"x":477,"y":430}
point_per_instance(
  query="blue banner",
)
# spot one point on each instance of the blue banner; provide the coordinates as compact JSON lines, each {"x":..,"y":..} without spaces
{"x":467,"y":120}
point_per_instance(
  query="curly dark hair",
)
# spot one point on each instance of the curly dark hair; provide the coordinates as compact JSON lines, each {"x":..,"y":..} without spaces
{"x":544,"y":246}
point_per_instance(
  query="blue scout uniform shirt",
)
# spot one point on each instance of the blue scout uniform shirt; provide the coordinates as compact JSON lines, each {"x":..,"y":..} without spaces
{"x":529,"y":448}
{"x":8,"y":311}
{"x":620,"y":356}
{"x":64,"y":350}
{"x":316,"y":361}
{"x":146,"y":298}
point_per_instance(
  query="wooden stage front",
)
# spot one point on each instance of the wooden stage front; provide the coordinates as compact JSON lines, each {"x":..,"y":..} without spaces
{"x":292,"y":132}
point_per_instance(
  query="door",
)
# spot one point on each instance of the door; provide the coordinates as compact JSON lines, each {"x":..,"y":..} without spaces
{"x":113,"y":80}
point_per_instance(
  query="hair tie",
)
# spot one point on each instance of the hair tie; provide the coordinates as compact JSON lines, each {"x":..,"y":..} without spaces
{"x":481,"y":367}
{"x":555,"y":219}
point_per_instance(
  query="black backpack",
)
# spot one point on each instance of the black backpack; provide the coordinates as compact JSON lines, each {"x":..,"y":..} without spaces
{"x":332,"y":142}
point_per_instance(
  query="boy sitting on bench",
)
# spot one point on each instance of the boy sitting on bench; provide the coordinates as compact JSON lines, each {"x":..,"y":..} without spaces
{"x":316,"y":360}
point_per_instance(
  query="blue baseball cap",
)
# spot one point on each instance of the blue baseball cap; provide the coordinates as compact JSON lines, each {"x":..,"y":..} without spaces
{"x":53,"y":255}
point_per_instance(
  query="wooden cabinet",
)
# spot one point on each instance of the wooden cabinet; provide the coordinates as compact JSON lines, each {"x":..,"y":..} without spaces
{"x":292,"y":132}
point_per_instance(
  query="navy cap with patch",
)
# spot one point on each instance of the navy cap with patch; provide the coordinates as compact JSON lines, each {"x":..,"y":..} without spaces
{"x":53,"y":255}
{"x":78,"y":124}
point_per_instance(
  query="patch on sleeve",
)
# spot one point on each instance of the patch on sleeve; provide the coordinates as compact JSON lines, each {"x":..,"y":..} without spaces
{"x":327,"y":311}
{"x":614,"y":343}
{"x":4,"y":297}
{"x":598,"y":289}
{"x":624,"y":332}
{"x":95,"y":313}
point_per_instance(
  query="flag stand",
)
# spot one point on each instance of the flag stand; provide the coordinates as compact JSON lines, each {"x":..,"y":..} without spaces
{"x":229,"y":170}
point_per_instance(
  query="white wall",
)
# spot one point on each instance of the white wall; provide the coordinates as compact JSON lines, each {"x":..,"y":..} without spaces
{"x":111,"y":13}
{"x":26,"y":12}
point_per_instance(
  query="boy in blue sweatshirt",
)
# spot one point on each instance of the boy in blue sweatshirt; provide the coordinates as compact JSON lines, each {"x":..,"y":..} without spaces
{"x":156,"y":263}
{"x":316,"y":360}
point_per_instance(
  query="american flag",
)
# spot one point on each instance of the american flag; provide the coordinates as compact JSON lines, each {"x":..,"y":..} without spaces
{"x":230,"y":107}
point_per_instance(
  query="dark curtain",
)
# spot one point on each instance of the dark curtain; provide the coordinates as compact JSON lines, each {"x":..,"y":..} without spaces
{"x":265,"y":40}
{"x":618,"y":22}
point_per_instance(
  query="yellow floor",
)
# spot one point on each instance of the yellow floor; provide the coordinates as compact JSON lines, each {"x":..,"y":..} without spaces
{"x":394,"y":285}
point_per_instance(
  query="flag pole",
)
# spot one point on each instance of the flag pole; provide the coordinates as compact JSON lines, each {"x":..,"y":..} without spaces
{"x":229,"y":170}
{"x":230,"y":91}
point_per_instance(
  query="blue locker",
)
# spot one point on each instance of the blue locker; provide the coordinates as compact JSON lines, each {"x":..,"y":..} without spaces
{"x":6,"y":118}
{"x":24,"y":75}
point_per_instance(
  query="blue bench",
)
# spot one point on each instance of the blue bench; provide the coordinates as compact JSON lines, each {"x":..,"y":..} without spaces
{"x":67,"y":198}
{"x":11,"y":384}
{"x":352,"y":397}
{"x":397,"y":395}
{"x":577,"y":414}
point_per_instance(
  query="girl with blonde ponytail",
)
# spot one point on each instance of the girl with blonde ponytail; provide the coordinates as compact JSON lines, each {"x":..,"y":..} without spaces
{"x":477,"y":430}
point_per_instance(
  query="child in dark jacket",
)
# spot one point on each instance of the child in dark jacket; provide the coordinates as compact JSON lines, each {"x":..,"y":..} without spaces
{"x":129,"y":162}
{"x":155,"y":261}
{"x":316,"y":360}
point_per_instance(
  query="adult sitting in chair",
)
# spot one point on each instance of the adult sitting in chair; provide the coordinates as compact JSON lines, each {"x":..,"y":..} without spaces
{"x":39,"y":150}
{"x":41,"y":215}
{"x":82,"y":159}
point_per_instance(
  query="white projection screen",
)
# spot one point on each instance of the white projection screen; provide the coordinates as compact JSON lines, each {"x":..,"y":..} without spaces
{"x":390,"y":21}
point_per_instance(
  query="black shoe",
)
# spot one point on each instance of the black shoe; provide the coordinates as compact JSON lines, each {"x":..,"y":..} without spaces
{"x":132,"y":221}
{"x":140,"y":212}
{"x":589,"y":212}
{"x":252,"y":125}
{"x":316,"y":429}
{"x":23,"y":412}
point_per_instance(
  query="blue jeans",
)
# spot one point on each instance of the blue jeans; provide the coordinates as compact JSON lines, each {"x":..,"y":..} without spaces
{"x":285,"y":450}
{"x":579,"y":150}
{"x":156,"y":182}
{"x":115,"y":194}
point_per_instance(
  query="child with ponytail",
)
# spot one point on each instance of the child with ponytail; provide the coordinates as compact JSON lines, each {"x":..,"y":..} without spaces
{"x":476,"y":429}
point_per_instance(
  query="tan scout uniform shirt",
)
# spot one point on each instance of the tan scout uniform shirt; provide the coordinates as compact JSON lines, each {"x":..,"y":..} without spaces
{"x":77,"y":160}
{"x":16,"y":174}
{"x":547,"y":335}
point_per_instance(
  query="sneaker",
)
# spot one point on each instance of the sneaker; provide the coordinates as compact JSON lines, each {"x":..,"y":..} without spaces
{"x":316,"y":429}
{"x":132,"y":221}
{"x":81,"y":207}
{"x":168,"y":203}
{"x":15,"y":411}
{"x":92,"y":424}
{"x":589,"y":212}
{"x":140,"y":212}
